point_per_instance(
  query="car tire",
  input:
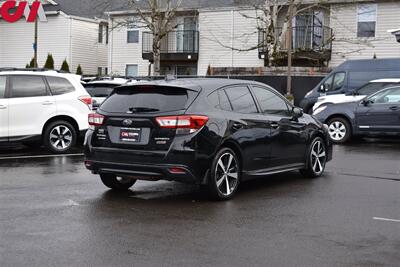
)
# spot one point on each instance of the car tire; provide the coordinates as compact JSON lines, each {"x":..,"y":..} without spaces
{"x":339,"y":130}
{"x":225,"y":175}
{"x":316,"y":159}
{"x":116,"y":182}
{"x":59,"y":137}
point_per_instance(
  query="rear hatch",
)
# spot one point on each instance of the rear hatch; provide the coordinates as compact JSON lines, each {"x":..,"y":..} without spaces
{"x":141,"y":117}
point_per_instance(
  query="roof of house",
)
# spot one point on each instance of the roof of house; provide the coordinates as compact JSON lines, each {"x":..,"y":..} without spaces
{"x":97,"y":8}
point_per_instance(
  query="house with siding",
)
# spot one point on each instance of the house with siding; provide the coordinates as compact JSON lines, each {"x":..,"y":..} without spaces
{"x":214,"y":36}
{"x":74,"y":31}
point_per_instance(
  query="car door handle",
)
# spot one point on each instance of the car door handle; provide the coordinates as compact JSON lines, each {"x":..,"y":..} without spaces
{"x":47,"y":103}
{"x":274,"y":125}
{"x":394,"y":108}
{"x":3,"y":107}
{"x":237,"y":126}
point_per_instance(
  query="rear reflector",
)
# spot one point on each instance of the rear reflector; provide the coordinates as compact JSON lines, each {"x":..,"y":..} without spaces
{"x":177,"y":170}
{"x":96,"y":119}
{"x":190,"y":122}
{"x":86,"y":99}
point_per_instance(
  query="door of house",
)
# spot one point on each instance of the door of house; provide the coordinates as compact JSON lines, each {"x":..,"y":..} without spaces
{"x":185,"y":35}
{"x":308,"y":30}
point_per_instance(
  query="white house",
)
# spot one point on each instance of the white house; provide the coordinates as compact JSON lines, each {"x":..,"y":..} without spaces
{"x":323,"y":37}
{"x":72,"y":32}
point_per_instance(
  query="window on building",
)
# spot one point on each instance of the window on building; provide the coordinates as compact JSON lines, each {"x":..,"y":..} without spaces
{"x":133,"y":34}
{"x":366,"y":16}
{"x":132,"y":70}
{"x":100,"y":33}
{"x":106,"y":28}
{"x":99,"y":71}
{"x":27,"y":86}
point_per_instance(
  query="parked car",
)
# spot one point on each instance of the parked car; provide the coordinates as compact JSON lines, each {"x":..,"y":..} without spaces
{"x":378,"y":114}
{"x":100,"y":89}
{"x":43,"y":107}
{"x":358,"y":94}
{"x":349,"y":76}
{"x":214,"y":132}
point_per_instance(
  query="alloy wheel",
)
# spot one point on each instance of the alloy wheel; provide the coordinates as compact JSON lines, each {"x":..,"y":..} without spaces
{"x":226,"y":174}
{"x":318,"y":157}
{"x":337,"y":130}
{"x":61,"y":137}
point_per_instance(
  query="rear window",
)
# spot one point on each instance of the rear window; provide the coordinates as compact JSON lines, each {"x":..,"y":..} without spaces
{"x":59,"y":86}
{"x":99,"y":90}
{"x":3,"y":80}
{"x":146,"y":100}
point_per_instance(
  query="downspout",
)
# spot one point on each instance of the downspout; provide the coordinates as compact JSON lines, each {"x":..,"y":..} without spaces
{"x":70,"y":44}
{"x":110,"y":43}
{"x":232,"y":36}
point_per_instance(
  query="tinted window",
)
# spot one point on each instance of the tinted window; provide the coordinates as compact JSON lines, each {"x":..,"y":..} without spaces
{"x":390,"y":96}
{"x":219,"y":100}
{"x":59,"y":86}
{"x":335,"y":81}
{"x":27,"y":86}
{"x":371,"y":88}
{"x":146,"y":99}
{"x":241,"y":99}
{"x":99,"y":90}
{"x":3,"y":80}
{"x":338,"y":81}
{"x":271,"y":103}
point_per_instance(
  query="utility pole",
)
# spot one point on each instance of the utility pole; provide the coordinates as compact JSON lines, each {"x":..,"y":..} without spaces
{"x":35,"y":45}
{"x":289,"y":50}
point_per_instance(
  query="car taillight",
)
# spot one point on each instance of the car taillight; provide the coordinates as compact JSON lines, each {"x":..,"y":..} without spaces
{"x":86,"y":99}
{"x":96,"y":119}
{"x":184,"y":123}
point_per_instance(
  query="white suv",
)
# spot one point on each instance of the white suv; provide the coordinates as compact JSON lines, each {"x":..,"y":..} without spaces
{"x":43,"y":107}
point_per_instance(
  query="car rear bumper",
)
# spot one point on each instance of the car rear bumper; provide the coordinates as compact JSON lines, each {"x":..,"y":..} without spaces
{"x":191,"y":164}
{"x":154,"y":172}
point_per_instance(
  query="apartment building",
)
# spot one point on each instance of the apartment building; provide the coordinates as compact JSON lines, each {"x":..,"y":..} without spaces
{"x":217,"y":36}
{"x":74,"y":31}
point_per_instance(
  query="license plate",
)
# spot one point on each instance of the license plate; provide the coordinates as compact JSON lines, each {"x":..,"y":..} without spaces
{"x":132,"y":135}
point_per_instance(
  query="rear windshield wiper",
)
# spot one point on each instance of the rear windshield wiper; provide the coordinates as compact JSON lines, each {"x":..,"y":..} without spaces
{"x":142,"y":109}
{"x":101,"y":95}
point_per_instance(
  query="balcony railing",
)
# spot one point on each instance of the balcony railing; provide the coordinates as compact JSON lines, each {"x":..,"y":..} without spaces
{"x":307,"y":41}
{"x":176,"y":46}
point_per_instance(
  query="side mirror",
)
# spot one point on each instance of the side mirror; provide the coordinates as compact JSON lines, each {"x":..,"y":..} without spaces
{"x":366,"y":102}
{"x":297,"y":113}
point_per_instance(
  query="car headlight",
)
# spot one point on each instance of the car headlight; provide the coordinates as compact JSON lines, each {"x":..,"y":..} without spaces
{"x":319,"y":110}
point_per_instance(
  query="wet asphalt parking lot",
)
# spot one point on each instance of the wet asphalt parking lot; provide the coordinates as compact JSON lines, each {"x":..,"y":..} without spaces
{"x":53,"y":212}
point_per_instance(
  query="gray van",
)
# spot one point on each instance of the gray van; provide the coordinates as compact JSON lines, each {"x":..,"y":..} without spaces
{"x":351,"y":75}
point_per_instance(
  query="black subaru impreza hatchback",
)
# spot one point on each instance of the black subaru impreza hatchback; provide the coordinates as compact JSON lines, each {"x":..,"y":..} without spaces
{"x":213,"y":132}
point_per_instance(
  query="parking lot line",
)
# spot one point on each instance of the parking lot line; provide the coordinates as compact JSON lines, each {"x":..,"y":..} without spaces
{"x":386,"y":219}
{"x":41,"y":156}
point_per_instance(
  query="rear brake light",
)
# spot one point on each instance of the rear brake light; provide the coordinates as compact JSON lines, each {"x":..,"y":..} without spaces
{"x":96,"y":119}
{"x":86,"y":99}
{"x":192,"y":123}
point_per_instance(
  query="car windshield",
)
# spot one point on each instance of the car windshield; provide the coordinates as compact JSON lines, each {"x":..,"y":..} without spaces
{"x":99,"y":90}
{"x":371,"y":88}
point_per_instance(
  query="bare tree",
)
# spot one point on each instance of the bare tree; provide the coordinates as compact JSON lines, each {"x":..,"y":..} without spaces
{"x":156,"y":16}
